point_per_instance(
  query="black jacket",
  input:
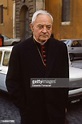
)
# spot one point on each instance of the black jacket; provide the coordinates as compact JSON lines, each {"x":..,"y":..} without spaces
{"x":38,"y":105}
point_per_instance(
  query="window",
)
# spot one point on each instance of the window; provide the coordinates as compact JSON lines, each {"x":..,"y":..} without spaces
{"x":76,"y":44}
{"x":65,"y":10}
{"x":6,"y":58}
{"x":1,"y":13}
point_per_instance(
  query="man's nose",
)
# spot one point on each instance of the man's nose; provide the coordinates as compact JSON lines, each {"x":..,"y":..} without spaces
{"x":44,"y":29}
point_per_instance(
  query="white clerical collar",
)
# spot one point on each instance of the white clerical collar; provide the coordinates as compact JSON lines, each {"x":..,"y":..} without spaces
{"x":42,"y":43}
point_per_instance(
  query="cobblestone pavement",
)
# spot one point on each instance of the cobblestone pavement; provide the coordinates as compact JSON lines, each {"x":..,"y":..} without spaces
{"x":9,"y":114}
{"x":74,"y":114}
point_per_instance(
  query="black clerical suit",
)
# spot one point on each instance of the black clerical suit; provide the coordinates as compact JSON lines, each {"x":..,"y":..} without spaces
{"x":38,"y":105}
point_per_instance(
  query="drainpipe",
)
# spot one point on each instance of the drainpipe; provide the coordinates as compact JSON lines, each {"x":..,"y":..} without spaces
{"x":14,"y":27}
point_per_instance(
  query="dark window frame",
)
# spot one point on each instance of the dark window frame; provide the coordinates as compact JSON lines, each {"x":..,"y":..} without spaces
{"x":1,"y":14}
{"x":66,"y":11}
{"x":0,"y":57}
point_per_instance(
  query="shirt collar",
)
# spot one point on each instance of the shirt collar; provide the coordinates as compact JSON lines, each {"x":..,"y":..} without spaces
{"x":41,"y":43}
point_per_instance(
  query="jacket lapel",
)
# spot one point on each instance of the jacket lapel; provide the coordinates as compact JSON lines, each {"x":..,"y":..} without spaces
{"x":50,"y":59}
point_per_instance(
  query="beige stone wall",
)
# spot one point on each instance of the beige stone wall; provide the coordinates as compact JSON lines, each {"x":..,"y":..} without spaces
{"x":40,"y":4}
{"x":6,"y":27}
{"x":66,"y":31}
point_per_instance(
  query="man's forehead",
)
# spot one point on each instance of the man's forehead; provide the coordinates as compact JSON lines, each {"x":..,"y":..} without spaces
{"x":48,"y":24}
{"x":43,"y":22}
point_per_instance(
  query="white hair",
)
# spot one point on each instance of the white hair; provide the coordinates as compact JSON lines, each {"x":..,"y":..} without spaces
{"x":43,"y":12}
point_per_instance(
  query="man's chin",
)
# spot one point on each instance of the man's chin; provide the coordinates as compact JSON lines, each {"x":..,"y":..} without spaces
{"x":44,"y":39}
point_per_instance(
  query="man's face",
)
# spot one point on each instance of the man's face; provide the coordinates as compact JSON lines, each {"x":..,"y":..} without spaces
{"x":42,"y":28}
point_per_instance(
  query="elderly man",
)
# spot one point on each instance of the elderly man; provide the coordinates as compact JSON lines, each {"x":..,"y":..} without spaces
{"x":39,"y":57}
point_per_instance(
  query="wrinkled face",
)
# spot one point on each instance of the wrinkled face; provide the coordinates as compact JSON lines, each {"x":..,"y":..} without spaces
{"x":42,"y":28}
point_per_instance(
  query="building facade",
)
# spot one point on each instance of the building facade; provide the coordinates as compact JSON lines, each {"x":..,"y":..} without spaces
{"x":16,"y":16}
{"x":6,"y":17}
{"x":67,"y":18}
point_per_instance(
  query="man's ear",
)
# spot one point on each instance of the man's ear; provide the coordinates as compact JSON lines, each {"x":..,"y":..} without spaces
{"x":31,"y":26}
